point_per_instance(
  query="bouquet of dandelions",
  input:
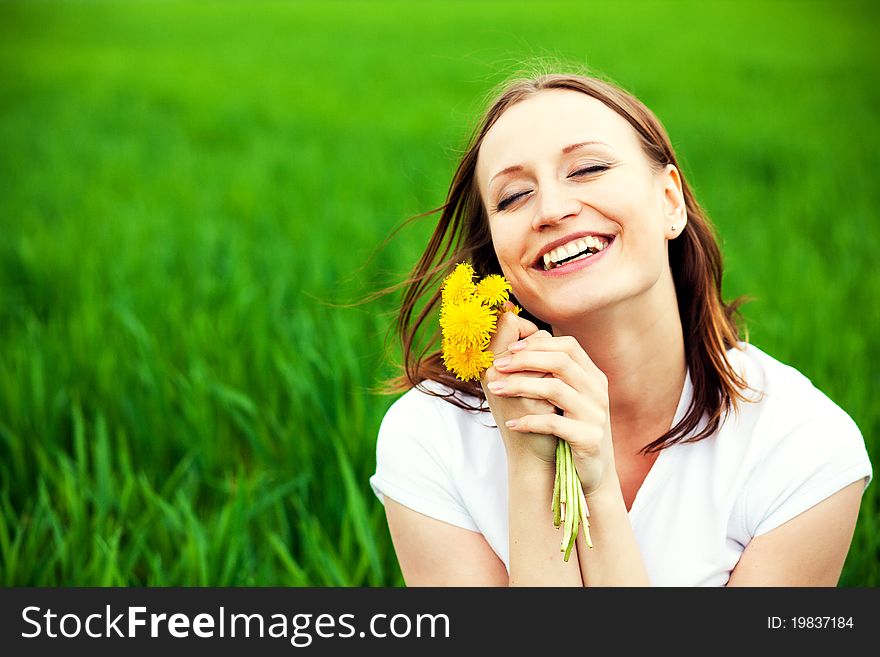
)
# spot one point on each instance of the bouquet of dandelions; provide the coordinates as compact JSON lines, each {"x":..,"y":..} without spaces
{"x":468,"y":315}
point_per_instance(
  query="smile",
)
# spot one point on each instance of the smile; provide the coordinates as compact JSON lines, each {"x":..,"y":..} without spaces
{"x":579,"y":254}
{"x":574,"y":250}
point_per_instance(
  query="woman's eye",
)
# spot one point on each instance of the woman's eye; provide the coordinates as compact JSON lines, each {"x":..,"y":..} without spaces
{"x":594,"y":168}
{"x":583,"y":171}
{"x":507,"y":200}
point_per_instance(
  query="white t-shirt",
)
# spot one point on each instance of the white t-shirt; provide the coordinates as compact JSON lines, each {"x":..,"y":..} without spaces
{"x":700,"y":504}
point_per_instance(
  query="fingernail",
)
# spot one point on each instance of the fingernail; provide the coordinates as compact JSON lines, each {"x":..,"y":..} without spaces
{"x":516,"y":346}
{"x":502,"y":362}
{"x":494,"y":386}
{"x":511,"y":424}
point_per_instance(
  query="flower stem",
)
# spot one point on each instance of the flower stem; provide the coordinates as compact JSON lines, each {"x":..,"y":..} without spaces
{"x":557,"y":483}
{"x":575,"y":484}
{"x":584,"y":513}
{"x":571,"y":501}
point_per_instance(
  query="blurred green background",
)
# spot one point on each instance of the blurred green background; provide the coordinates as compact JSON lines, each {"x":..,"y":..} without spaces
{"x":183,"y":185}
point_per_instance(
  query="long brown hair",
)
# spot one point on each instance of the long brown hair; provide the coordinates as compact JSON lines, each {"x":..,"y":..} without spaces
{"x":462,"y":234}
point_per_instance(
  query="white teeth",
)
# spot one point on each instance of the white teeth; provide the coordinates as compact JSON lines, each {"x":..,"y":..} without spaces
{"x":573,"y":248}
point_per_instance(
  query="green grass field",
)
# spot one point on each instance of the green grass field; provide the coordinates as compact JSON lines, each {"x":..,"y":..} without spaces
{"x":183,"y":187}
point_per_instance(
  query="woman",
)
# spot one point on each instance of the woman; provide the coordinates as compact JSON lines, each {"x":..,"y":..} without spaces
{"x":704,"y":461}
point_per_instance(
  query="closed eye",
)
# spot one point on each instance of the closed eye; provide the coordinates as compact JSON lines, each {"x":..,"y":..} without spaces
{"x":596,"y":168}
{"x":585,"y":171}
{"x":507,"y":200}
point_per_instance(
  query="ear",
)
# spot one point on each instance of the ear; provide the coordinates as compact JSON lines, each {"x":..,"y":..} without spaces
{"x":674,"y":207}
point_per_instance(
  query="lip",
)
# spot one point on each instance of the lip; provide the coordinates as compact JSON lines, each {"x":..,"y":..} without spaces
{"x":577,"y":265}
{"x":565,"y":240}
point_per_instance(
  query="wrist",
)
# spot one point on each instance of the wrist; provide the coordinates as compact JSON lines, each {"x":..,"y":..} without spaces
{"x":608,"y":492}
{"x":526,"y":465}
{"x":530,"y":449}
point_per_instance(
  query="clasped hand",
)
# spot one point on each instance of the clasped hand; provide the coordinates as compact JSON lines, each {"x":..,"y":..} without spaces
{"x":541,"y":387}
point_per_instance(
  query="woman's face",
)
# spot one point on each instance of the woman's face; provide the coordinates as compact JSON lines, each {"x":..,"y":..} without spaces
{"x":560,"y":169}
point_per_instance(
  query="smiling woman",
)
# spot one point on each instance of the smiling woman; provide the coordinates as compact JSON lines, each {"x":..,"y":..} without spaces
{"x":704,"y":460}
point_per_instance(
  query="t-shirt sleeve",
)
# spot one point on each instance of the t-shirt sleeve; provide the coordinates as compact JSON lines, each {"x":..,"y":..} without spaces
{"x":805,"y":466}
{"x":412,"y":464}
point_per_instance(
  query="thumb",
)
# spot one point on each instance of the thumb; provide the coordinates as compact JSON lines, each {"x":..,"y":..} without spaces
{"x":510,"y":328}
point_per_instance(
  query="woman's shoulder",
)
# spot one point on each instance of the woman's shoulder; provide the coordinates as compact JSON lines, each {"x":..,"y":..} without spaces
{"x":785,"y":407}
{"x":778,"y":387}
{"x":419,"y":460}
{"x":793,"y":445}
{"x":760,"y":369}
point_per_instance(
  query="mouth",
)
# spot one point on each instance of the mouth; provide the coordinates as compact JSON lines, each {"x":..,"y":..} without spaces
{"x":573,"y":255}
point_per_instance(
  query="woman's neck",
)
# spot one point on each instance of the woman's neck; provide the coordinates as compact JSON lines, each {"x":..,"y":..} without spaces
{"x":639,"y":346}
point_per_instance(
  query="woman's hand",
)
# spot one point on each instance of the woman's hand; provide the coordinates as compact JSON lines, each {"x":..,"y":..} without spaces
{"x":511,"y":328}
{"x":570,"y":382}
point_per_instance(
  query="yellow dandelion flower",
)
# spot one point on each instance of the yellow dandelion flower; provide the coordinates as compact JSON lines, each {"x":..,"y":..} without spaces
{"x":493,"y":290}
{"x":467,"y":324}
{"x":459,"y":285}
{"x":466,"y":364}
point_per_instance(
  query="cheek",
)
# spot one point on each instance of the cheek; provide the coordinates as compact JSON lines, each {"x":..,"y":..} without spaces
{"x":639,"y":221}
{"x":509,"y":271}
{"x":505,"y":247}
{"x":628,"y":198}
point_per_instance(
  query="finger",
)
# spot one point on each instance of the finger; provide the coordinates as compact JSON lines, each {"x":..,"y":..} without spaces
{"x":493,"y":374}
{"x":557,"y":363}
{"x":510,"y":328}
{"x":554,"y":390}
{"x":565,"y":343}
{"x":546,"y":423}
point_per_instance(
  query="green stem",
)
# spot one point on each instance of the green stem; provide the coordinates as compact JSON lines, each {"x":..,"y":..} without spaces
{"x":563,"y":489}
{"x":574,"y":483}
{"x":584,"y":512}
{"x":571,"y":502}
{"x":557,"y":483}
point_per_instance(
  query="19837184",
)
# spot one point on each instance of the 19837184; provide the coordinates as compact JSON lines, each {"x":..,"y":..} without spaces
{"x":810,"y":623}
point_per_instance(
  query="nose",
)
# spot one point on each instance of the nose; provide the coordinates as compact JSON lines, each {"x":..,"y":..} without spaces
{"x":555,"y":203}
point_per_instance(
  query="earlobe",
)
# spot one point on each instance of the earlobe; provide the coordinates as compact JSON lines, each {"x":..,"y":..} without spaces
{"x":676,"y":207}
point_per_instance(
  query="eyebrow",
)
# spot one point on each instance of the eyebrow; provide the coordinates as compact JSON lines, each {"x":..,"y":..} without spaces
{"x":565,"y":151}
